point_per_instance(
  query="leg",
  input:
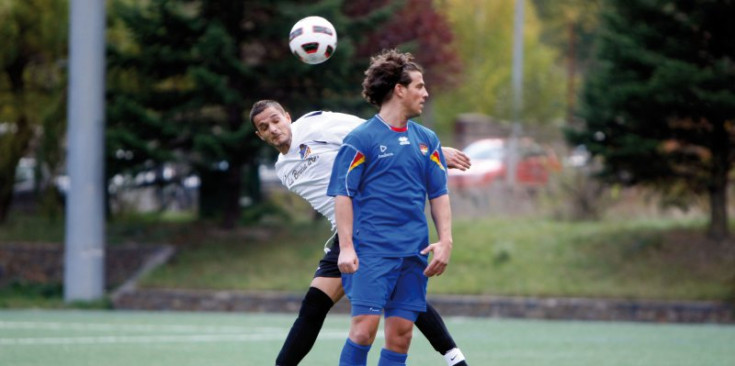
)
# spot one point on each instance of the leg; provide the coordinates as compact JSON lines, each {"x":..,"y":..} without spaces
{"x":367,"y":289}
{"x":430,"y":323}
{"x":321,"y":296}
{"x":398,"y":332}
{"x":363,"y":329}
{"x":407,"y":299}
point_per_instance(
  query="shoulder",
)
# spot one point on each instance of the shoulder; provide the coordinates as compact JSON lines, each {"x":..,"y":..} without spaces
{"x":323,"y":121}
{"x":364,"y":128}
{"x":360,"y":137}
{"x":338,"y":117}
{"x":308,"y":119}
{"x":421,"y":129}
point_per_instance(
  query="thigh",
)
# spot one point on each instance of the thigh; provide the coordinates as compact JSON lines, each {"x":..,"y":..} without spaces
{"x":373,"y":282}
{"x":328,"y":264}
{"x":329,"y":285}
{"x":410,"y":290}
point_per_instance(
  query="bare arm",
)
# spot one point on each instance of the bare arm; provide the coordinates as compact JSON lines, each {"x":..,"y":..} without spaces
{"x":441,"y":213}
{"x":347,"y":262}
{"x":456,"y":159}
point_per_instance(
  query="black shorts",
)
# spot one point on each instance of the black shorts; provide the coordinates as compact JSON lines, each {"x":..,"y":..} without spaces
{"x":328,"y":263}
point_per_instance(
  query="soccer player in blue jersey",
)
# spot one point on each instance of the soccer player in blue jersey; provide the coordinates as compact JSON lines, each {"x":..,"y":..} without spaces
{"x":307,"y":149}
{"x":382,"y":176}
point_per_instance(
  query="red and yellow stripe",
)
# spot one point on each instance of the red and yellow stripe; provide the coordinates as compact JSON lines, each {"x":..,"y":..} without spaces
{"x":435,"y":158}
{"x":356,"y":161}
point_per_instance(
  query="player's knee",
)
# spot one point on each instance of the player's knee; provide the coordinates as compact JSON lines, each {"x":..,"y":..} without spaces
{"x":316,"y":304}
{"x":399,"y":341}
{"x":363,"y":332}
{"x":362,"y":336}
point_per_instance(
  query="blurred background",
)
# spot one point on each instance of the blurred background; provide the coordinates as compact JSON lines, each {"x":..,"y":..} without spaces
{"x":601,"y":134}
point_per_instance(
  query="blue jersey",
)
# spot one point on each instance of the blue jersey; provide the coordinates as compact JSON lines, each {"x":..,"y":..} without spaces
{"x":389,"y":173}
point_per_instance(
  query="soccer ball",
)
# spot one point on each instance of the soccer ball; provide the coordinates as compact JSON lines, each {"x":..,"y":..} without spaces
{"x":313,"y":40}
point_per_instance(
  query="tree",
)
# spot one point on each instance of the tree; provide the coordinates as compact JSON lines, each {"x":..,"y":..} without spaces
{"x":181,"y":90}
{"x":484,"y":34}
{"x":31,"y":85}
{"x":659,"y":104}
{"x":570,"y":25}
{"x":418,"y":27}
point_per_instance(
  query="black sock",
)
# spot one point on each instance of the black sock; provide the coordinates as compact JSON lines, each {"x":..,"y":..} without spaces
{"x":305,"y":329}
{"x":430,"y":323}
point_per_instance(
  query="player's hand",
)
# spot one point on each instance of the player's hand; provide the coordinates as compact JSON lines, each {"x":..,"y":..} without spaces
{"x":439,"y":261}
{"x":456,"y":159}
{"x":347,"y":261}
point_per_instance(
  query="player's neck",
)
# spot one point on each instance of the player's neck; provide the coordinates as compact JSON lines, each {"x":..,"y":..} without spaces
{"x":395,"y":117}
{"x":283,"y":148}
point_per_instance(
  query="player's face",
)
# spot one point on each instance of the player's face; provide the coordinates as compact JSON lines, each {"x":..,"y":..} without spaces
{"x":416,"y":94}
{"x":274,"y":127}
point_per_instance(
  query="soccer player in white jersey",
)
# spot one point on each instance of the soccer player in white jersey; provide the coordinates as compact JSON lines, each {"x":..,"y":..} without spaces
{"x":307,"y":149}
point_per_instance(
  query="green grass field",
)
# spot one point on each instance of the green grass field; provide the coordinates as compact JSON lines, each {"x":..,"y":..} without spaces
{"x":632,"y":258}
{"x":637,"y":259}
{"x":110,"y":338}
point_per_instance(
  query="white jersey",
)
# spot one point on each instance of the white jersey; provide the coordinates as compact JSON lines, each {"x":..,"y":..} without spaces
{"x":307,"y":166}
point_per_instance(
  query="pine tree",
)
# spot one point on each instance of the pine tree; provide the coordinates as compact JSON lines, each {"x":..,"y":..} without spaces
{"x":659,"y":104}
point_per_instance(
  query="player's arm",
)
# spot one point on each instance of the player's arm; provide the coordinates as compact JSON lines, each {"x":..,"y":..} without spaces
{"x":456,"y":159}
{"x":347,"y":262}
{"x":441,"y":213}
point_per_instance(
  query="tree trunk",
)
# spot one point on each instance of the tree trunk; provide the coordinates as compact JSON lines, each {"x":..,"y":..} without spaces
{"x":232,"y":185}
{"x":718,"y":227}
{"x":15,"y":143}
{"x":13,"y":146}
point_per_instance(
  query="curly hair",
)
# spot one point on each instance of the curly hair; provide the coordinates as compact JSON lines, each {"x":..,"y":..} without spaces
{"x":387,"y":69}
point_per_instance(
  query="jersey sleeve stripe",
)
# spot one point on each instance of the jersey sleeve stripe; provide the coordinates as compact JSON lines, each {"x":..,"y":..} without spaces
{"x":435,"y":158}
{"x":356,"y":161}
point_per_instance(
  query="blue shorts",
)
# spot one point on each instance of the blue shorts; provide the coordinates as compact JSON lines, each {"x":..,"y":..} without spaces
{"x":396,"y":285}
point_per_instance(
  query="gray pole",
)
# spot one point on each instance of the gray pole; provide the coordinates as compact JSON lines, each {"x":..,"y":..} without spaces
{"x":84,"y":258}
{"x":517,"y":81}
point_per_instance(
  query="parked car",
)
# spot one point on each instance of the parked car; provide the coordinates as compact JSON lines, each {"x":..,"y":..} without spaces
{"x":490,"y":163}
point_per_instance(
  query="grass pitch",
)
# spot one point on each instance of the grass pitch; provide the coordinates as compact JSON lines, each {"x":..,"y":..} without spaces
{"x":66,"y":338}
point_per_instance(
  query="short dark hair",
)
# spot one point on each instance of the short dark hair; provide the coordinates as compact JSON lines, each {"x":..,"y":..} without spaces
{"x":387,"y":69}
{"x":260,"y":106}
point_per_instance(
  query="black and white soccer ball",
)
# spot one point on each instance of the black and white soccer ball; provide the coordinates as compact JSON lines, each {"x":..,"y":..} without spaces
{"x":313,"y":40}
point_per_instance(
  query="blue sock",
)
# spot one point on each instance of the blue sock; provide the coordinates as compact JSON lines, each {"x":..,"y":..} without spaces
{"x":390,"y":358}
{"x":353,"y":354}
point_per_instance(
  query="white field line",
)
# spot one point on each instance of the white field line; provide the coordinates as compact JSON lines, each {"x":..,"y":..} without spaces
{"x":217,"y":333}
{"x":156,"y":339}
{"x":107,"y":327}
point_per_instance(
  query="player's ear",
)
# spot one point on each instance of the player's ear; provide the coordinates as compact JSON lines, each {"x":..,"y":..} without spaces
{"x":398,"y":90}
{"x":288,"y":117}
{"x":259,"y":136}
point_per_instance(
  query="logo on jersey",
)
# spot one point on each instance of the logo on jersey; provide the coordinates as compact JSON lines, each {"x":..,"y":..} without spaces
{"x":383,"y":148}
{"x":356,"y":161}
{"x":435,"y":158}
{"x":304,"y":151}
{"x":424,"y":149}
{"x":403,"y":140}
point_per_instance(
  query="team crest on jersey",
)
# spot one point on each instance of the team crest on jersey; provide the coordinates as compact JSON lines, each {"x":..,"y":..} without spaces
{"x":424,"y":149}
{"x":304,"y":151}
{"x":403,"y":140}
